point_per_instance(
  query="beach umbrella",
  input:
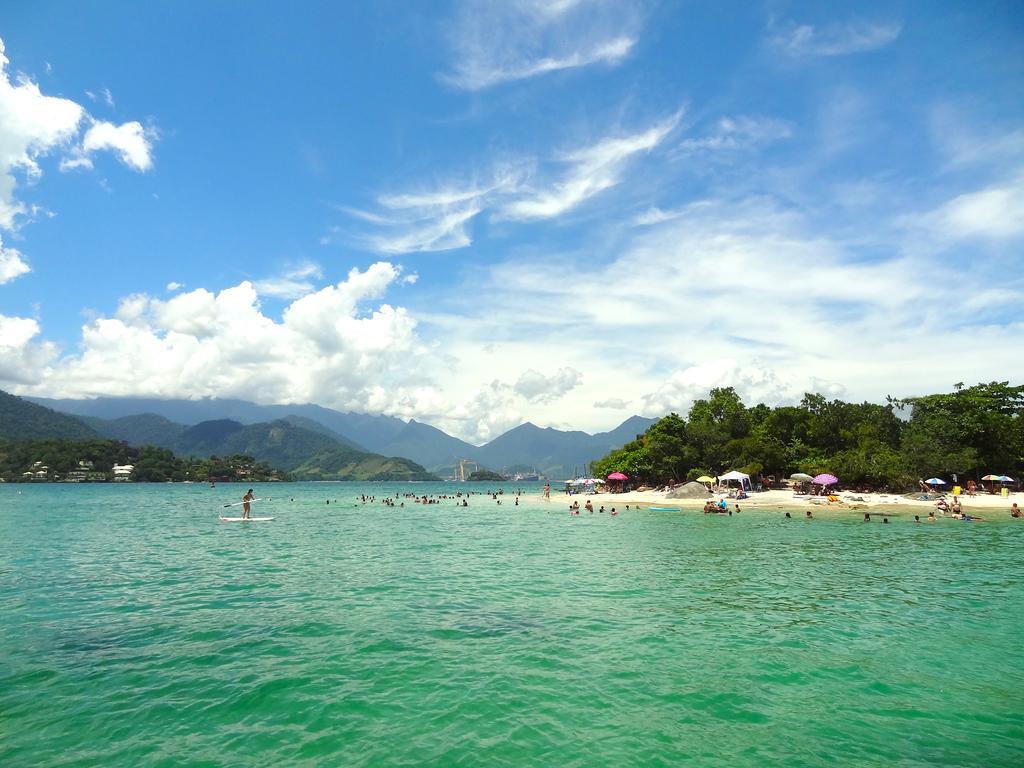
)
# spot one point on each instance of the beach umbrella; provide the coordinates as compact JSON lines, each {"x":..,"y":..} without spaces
{"x":992,"y":478}
{"x":800,"y":477}
{"x":617,"y":476}
{"x":935,"y":481}
{"x":705,"y":479}
{"x":826,"y":479}
{"x":1005,"y":479}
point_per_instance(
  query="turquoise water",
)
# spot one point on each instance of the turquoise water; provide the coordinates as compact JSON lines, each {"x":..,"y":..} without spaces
{"x":137,"y":630}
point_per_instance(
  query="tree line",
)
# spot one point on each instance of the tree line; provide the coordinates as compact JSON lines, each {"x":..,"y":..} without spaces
{"x":64,"y":458}
{"x":970,"y":432}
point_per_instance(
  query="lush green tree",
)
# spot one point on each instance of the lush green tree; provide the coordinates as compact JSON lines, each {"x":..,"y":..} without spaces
{"x":971,"y":432}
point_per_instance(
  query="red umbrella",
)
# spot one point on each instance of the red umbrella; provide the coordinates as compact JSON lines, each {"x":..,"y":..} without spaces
{"x":617,"y":476}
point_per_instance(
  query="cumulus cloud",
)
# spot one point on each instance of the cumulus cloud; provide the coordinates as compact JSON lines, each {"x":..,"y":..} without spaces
{"x":23,"y":360}
{"x":535,"y":387}
{"x":498,"y":41}
{"x":33,"y":125}
{"x":834,"y":40}
{"x":326,"y":348}
{"x":174,"y":286}
{"x":12,"y":265}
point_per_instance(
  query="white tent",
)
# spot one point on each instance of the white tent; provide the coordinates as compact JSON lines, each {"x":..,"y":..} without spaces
{"x":740,"y":477}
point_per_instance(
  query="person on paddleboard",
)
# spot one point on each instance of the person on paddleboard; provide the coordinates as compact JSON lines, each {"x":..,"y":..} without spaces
{"x":246,"y":508}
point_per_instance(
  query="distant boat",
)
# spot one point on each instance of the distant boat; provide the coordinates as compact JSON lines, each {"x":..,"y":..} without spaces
{"x":527,"y":477}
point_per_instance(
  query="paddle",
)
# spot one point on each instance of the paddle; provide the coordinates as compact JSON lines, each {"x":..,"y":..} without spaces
{"x":240,"y":503}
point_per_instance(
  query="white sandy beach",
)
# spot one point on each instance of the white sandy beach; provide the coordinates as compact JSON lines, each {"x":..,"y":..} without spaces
{"x":848,"y":501}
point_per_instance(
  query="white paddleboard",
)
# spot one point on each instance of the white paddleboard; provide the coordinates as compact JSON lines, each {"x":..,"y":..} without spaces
{"x":244,"y":519}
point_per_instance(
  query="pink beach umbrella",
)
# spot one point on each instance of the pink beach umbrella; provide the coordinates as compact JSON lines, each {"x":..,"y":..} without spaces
{"x":826,"y":479}
{"x":617,"y":476}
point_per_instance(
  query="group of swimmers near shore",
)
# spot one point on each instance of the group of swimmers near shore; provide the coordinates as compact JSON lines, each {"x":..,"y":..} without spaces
{"x":574,"y":509}
{"x":461,"y":498}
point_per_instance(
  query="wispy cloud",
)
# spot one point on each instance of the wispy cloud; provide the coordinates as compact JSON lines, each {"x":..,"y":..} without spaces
{"x":833,"y":40}
{"x":995,"y":212}
{"x":591,"y":170}
{"x":428,"y":220}
{"x":438,"y":219}
{"x":508,"y":40}
{"x":741,"y":132}
{"x":293,"y":283}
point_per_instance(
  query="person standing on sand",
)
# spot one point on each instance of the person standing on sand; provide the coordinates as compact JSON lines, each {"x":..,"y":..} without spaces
{"x":246,"y":508}
{"x":547,"y":490}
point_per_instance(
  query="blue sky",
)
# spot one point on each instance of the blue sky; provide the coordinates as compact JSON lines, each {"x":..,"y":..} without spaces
{"x":480,"y":213}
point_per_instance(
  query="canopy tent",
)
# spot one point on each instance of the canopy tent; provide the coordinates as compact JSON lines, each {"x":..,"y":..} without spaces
{"x":741,"y":478}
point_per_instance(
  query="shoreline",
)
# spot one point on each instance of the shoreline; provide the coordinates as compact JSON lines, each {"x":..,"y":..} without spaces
{"x":784,"y":500}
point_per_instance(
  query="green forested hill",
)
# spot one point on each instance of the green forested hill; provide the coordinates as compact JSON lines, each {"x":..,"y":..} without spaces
{"x":346,"y":464}
{"x":144,"y":429}
{"x":279,"y":443}
{"x":22,"y":420}
{"x":285,"y":444}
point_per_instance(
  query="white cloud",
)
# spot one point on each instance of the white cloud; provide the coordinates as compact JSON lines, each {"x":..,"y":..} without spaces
{"x":498,"y":41}
{"x":174,"y":286}
{"x":614,"y":403}
{"x":33,"y":125}
{"x":834,"y":40}
{"x":993,"y":212}
{"x":591,"y":170}
{"x":742,"y":132}
{"x":439,"y":218}
{"x":12,"y":265}
{"x":433,"y":219}
{"x":442,"y":229}
{"x":325,"y":349}
{"x":129,"y":141}
{"x":108,"y":97}
{"x":294,"y":282}
{"x":535,"y":387}
{"x":754,"y":384}
{"x":23,"y":361}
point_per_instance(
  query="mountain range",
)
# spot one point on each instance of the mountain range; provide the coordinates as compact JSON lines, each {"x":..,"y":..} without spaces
{"x":556,"y":453}
{"x":307,"y":450}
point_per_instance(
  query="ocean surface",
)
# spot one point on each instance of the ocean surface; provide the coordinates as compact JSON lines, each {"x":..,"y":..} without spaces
{"x":139,"y":630}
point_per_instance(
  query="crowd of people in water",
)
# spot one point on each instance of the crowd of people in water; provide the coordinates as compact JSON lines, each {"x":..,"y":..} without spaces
{"x":459,"y":498}
{"x":953,"y":510}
